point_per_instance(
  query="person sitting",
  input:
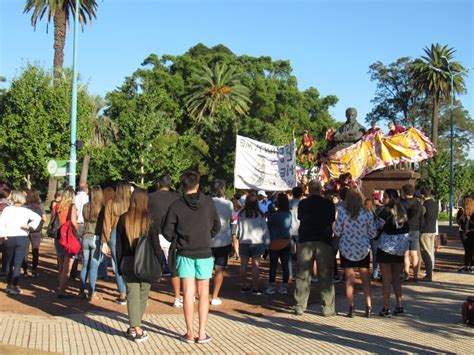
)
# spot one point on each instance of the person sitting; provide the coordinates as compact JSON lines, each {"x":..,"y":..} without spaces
{"x":394,"y":129}
{"x":306,"y":148}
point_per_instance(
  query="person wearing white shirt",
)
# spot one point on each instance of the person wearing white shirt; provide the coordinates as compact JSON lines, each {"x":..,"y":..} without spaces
{"x":222,"y":242}
{"x":15,"y":224}
{"x":80,"y":200}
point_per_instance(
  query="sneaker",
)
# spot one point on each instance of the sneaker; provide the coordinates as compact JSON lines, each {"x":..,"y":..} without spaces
{"x":283,"y":290}
{"x":385,"y":313}
{"x":257,"y":292}
{"x":15,"y":290}
{"x":141,"y":337}
{"x":463,"y":270}
{"x":270,"y":290}
{"x":121,"y":301}
{"x":178,"y":303}
{"x":8,"y":289}
{"x":245,"y":290}
{"x":299,"y":312}
{"x":131,"y":333}
{"x":404,"y":277}
{"x":216,"y":302}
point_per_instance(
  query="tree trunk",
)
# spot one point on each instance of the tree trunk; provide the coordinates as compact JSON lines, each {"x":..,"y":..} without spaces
{"x":435,"y":120}
{"x":85,"y":170}
{"x":59,"y":40}
{"x":52,"y":187}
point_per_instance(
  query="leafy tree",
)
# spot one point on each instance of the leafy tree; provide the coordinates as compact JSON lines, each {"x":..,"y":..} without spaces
{"x":218,"y":88}
{"x":34,"y":116}
{"x":437,"y":84}
{"x":60,"y":11}
{"x":395,"y":97}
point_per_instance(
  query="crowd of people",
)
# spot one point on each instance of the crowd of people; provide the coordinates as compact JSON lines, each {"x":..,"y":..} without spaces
{"x":305,"y":231}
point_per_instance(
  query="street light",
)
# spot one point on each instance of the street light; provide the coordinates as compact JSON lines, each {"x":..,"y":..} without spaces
{"x":73,"y":142}
{"x":452,"y":74}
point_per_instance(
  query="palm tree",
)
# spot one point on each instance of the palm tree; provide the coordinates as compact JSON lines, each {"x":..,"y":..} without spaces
{"x":437,"y":84}
{"x":60,"y":11}
{"x":217,"y":88}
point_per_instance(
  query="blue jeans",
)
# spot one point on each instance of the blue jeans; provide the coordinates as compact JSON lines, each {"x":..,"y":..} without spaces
{"x":113,"y":248}
{"x":15,"y":251}
{"x":375,"y":264}
{"x":91,"y":259}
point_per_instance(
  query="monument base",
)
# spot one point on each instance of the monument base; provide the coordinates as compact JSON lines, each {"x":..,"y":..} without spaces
{"x":387,"y":179}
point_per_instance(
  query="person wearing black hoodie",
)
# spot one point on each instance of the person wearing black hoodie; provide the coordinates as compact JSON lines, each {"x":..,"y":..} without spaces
{"x":191,"y":222}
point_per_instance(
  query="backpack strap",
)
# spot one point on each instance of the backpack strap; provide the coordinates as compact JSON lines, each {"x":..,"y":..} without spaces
{"x":68,"y":218}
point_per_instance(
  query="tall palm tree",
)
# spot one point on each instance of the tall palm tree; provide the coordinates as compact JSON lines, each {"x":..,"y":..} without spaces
{"x":437,"y":84}
{"x":217,"y":88}
{"x":60,"y":11}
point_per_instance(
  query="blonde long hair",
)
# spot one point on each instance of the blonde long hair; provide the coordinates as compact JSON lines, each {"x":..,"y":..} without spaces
{"x":468,"y":206}
{"x":121,"y":201}
{"x":67,"y":199}
{"x":354,"y":202}
{"x":137,"y":218}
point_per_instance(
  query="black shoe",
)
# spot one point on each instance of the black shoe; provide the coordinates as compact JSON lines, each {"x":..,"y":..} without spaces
{"x":257,"y":292}
{"x":368,"y":312}
{"x":351,"y":313}
{"x":245,"y":290}
{"x":385,"y":313}
{"x":398,"y":311}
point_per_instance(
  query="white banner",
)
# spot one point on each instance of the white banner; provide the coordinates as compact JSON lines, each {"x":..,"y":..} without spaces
{"x":261,"y":166}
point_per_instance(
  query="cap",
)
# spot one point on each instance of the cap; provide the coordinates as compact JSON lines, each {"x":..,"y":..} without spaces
{"x":377,"y":196}
{"x":262,"y":193}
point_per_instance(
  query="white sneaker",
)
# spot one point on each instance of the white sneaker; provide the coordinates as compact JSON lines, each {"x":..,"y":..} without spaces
{"x":282,"y":290}
{"x":15,"y":290}
{"x":178,"y":303}
{"x":216,"y":302}
{"x":8,"y":289}
{"x":270,"y":290}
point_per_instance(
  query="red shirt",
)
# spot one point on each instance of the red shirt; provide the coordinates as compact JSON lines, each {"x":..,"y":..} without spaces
{"x":397,"y":130}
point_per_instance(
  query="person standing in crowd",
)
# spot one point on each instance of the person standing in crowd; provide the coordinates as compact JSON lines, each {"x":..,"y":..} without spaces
{"x":263,"y":202}
{"x":414,"y":210}
{"x":108,"y":194}
{"x":80,"y":200}
{"x":5,"y":201}
{"x":356,"y":227}
{"x":279,"y":224}
{"x":65,"y":209}
{"x":222,"y":242}
{"x":91,"y":242}
{"x":465,"y":220}
{"x":191,"y":222}
{"x":113,"y":210}
{"x":316,"y":215}
{"x":159,"y":203}
{"x":33,"y":203}
{"x":373,"y":128}
{"x":375,"y":206}
{"x":392,"y":247}
{"x":428,"y":231}
{"x":132,"y":225}
{"x":235,"y":240}
{"x":297,"y":193}
{"x":15,"y":223}
{"x":252,"y":231}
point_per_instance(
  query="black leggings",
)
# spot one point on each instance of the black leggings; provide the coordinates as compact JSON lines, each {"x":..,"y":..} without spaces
{"x":467,"y":240}
{"x":284,"y":256}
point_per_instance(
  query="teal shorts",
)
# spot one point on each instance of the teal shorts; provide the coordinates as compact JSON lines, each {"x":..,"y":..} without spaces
{"x":201,"y":269}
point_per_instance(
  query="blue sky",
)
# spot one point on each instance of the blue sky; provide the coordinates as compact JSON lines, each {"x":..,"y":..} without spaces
{"x":330,"y":43}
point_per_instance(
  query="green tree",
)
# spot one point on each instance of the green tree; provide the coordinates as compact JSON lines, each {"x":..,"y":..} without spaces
{"x":437,"y":84}
{"x":60,"y":11}
{"x":34,"y":116}
{"x":217,"y":88}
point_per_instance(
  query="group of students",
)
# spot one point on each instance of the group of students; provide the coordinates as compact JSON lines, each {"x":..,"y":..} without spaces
{"x":193,"y":236}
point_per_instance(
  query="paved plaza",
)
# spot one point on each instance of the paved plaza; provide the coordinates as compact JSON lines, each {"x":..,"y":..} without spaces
{"x":432,"y":325}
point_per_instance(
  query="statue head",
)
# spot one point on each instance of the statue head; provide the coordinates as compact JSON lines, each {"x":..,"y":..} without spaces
{"x":351,"y":114}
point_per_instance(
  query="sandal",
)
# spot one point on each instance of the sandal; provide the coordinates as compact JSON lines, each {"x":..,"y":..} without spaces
{"x":206,"y":340}
{"x":185,"y":338}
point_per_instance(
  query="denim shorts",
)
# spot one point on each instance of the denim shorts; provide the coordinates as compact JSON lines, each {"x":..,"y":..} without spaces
{"x":201,"y":269}
{"x":221,"y":255}
{"x":413,"y":241}
{"x":251,"y":250}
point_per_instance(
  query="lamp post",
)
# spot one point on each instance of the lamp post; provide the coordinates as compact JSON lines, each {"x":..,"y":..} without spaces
{"x":72,"y":154}
{"x":452,"y":74}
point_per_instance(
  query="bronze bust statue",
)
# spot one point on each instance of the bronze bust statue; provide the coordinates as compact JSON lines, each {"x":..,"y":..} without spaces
{"x":350,"y":132}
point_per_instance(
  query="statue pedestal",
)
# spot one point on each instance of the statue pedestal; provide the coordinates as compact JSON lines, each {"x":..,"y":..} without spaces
{"x":387,"y":179}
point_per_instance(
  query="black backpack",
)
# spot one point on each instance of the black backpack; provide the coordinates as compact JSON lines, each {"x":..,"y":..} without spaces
{"x":53,"y":226}
{"x":147,"y":266}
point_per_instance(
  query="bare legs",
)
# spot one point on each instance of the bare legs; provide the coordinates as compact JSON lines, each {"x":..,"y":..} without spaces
{"x":255,"y":271}
{"x":189,"y":290}
{"x":218,"y":280}
{"x":350,"y":278}
{"x":65,"y":265}
{"x":391,"y":277}
{"x":411,"y":257}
